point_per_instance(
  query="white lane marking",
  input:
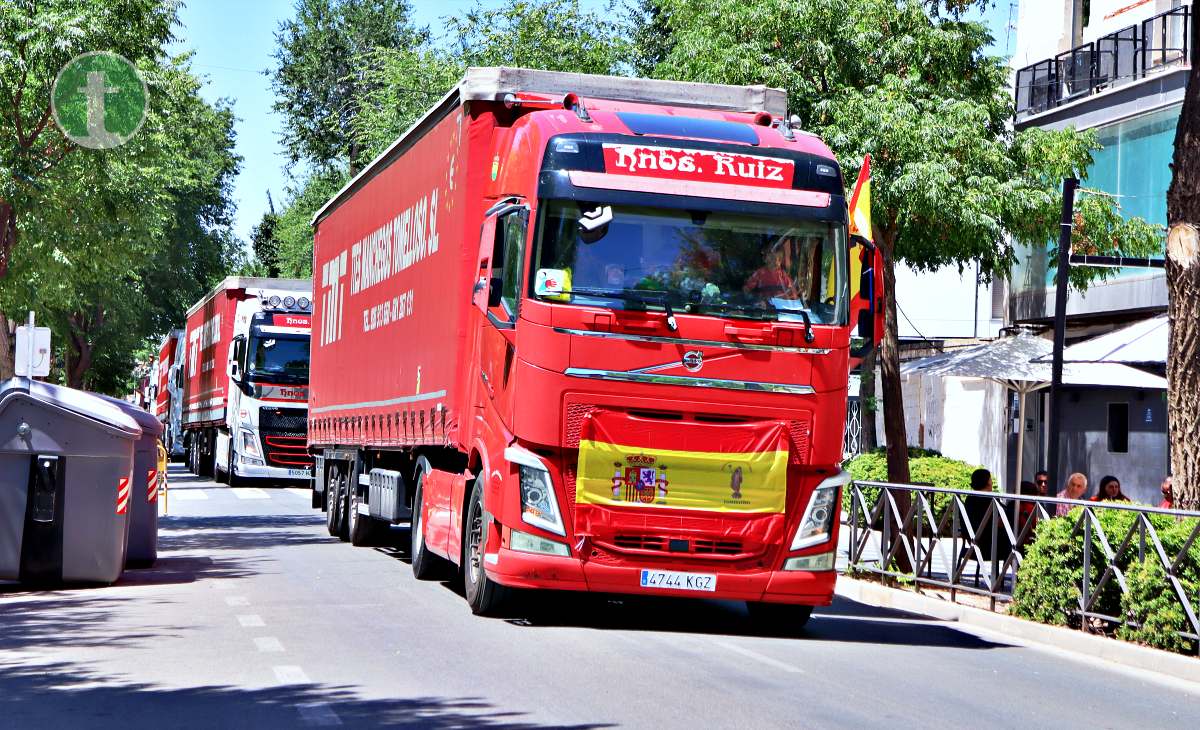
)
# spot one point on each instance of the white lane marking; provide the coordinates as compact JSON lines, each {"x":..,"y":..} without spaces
{"x":749,"y":654}
{"x":318,"y":713}
{"x":291,"y":674}
{"x":237,"y":601}
{"x":268,"y":644}
{"x":251,"y":621}
{"x":187,"y":495}
{"x":250,"y":493}
{"x":298,"y":491}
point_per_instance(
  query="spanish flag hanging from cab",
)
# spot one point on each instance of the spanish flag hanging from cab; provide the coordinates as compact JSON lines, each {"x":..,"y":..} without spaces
{"x":734,"y":467}
{"x":860,"y":222}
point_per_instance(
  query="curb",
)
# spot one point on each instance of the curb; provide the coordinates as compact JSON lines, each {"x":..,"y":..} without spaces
{"x":1171,"y":666}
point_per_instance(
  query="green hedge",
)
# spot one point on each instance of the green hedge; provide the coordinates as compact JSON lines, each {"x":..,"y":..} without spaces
{"x":927,"y":467}
{"x":1048,"y":587}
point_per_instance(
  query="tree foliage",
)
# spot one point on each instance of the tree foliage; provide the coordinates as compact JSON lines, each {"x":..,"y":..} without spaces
{"x":319,"y":79}
{"x":113,"y":244}
{"x":396,"y":84}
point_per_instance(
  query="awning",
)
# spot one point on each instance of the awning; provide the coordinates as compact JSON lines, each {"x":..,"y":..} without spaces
{"x":1143,"y":343}
{"x":1021,"y":362}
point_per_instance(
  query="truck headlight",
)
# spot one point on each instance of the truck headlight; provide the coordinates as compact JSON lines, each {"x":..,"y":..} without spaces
{"x":822,"y":510}
{"x":539,"y":504}
{"x":250,"y":444}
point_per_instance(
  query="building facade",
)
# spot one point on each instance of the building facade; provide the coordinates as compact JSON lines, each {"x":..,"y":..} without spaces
{"x":1118,"y":67}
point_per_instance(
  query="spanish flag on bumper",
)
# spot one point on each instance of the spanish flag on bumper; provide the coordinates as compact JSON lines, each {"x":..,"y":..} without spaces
{"x":627,"y":462}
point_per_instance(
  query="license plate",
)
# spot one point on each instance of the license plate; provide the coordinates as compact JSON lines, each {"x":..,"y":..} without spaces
{"x":299,"y":473}
{"x":679,"y":581}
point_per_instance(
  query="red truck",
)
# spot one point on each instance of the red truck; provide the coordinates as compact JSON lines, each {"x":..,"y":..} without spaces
{"x":166,"y":389}
{"x":245,"y":384}
{"x":592,"y":333}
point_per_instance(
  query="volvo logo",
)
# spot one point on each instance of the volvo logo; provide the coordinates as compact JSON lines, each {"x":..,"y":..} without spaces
{"x":693,"y":360}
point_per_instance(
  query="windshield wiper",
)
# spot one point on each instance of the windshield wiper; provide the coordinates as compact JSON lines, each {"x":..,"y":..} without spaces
{"x":641,"y":296}
{"x":766,"y":311}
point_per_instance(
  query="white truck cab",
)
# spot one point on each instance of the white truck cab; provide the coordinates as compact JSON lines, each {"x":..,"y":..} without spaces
{"x":265,"y":433}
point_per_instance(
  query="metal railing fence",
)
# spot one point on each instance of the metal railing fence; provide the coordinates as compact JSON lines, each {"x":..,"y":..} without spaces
{"x":1124,"y":55}
{"x":975,"y":543}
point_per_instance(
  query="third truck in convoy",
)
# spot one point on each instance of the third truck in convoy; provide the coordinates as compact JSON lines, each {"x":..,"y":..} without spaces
{"x":245,"y":380}
{"x":592,"y":333}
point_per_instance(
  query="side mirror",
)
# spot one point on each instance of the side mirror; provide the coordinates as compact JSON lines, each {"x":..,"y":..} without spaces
{"x":869,"y":317}
{"x":234,"y":371}
{"x":495,"y":291}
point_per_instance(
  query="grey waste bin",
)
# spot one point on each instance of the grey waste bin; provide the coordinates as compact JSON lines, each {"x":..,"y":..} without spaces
{"x":143,"y":510}
{"x":65,"y":466}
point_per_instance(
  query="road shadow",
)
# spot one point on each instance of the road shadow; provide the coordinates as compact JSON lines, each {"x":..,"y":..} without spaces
{"x":68,"y":695}
{"x":844,"y":621}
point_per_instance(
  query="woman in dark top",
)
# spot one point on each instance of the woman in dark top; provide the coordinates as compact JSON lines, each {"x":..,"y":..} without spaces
{"x":1110,"y":491}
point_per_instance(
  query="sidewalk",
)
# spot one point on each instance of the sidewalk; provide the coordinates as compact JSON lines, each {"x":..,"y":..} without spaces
{"x":1167,"y":665}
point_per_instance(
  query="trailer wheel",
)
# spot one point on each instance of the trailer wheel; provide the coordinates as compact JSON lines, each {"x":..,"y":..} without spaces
{"x":484,"y":595}
{"x":360,"y":528}
{"x":779,"y":618}
{"x":425,"y":565}
{"x":333,"y":501}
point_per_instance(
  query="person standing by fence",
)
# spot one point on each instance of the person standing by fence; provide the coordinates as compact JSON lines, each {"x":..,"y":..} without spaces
{"x":1168,"y":500}
{"x":1110,"y":490}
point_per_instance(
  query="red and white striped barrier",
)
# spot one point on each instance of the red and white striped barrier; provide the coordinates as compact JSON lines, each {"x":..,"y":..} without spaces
{"x":123,"y":491}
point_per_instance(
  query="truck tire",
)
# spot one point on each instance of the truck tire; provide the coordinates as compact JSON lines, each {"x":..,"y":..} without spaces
{"x":425,"y":565}
{"x":360,"y":528}
{"x":333,"y":501}
{"x":484,"y":595}
{"x":779,"y":618}
{"x":219,"y":476}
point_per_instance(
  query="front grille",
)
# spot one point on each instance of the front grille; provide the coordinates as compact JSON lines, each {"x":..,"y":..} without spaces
{"x":661,"y":543}
{"x":287,"y":421}
{"x":287,"y":451}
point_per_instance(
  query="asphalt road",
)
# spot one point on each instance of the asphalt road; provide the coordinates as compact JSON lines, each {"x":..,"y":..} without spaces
{"x":254,"y":617}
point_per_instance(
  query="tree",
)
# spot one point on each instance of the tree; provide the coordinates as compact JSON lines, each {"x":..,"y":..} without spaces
{"x":36,"y":40}
{"x":1183,"y":290}
{"x":294,"y":232}
{"x":952,"y":184}
{"x":263,"y":241}
{"x":399,"y":84}
{"x":318,"y":79}
{"x":118,"y":242}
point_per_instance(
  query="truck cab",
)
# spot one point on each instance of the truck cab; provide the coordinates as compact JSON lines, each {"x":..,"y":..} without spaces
{"x":267,"y":413}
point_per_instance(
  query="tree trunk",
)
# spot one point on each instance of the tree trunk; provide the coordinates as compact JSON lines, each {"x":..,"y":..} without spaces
{"x":889,"y":360}
{"x":7,"y":356}
{"x":893,"y":410}
{"x":79,"y":359}
{"x":866,"y":401}
{"x":1183,"y":292}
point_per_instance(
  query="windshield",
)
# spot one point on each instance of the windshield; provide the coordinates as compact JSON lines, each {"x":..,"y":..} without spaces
{"x":282,"y":358}
{"x":626,"y":257}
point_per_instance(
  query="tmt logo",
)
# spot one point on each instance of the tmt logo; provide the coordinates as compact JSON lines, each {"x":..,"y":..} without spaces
{"x":333,"y":298}
{"x":99,"y":100}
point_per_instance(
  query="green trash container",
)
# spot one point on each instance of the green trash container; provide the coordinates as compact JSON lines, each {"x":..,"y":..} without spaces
{"x":66,"y":461}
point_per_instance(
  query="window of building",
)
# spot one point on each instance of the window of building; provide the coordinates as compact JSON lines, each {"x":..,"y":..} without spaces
{"x":1118,"y":428}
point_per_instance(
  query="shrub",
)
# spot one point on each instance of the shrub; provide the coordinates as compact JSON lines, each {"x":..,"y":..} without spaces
{"x":936,"y":470}
{"x":1049,"y":585}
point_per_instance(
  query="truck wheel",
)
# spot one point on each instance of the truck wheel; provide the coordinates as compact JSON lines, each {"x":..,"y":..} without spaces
{"x":219,"y":476}
{"x":425,"y":565}
{"x":779,"y":618}
{"x":360,"y":528}
{"x":484,"y":595}
{"x":230,"y":471}
{"x":333,"y":502}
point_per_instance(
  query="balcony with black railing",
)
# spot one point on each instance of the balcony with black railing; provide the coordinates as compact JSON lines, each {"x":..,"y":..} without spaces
{"x":1155,"y":45}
